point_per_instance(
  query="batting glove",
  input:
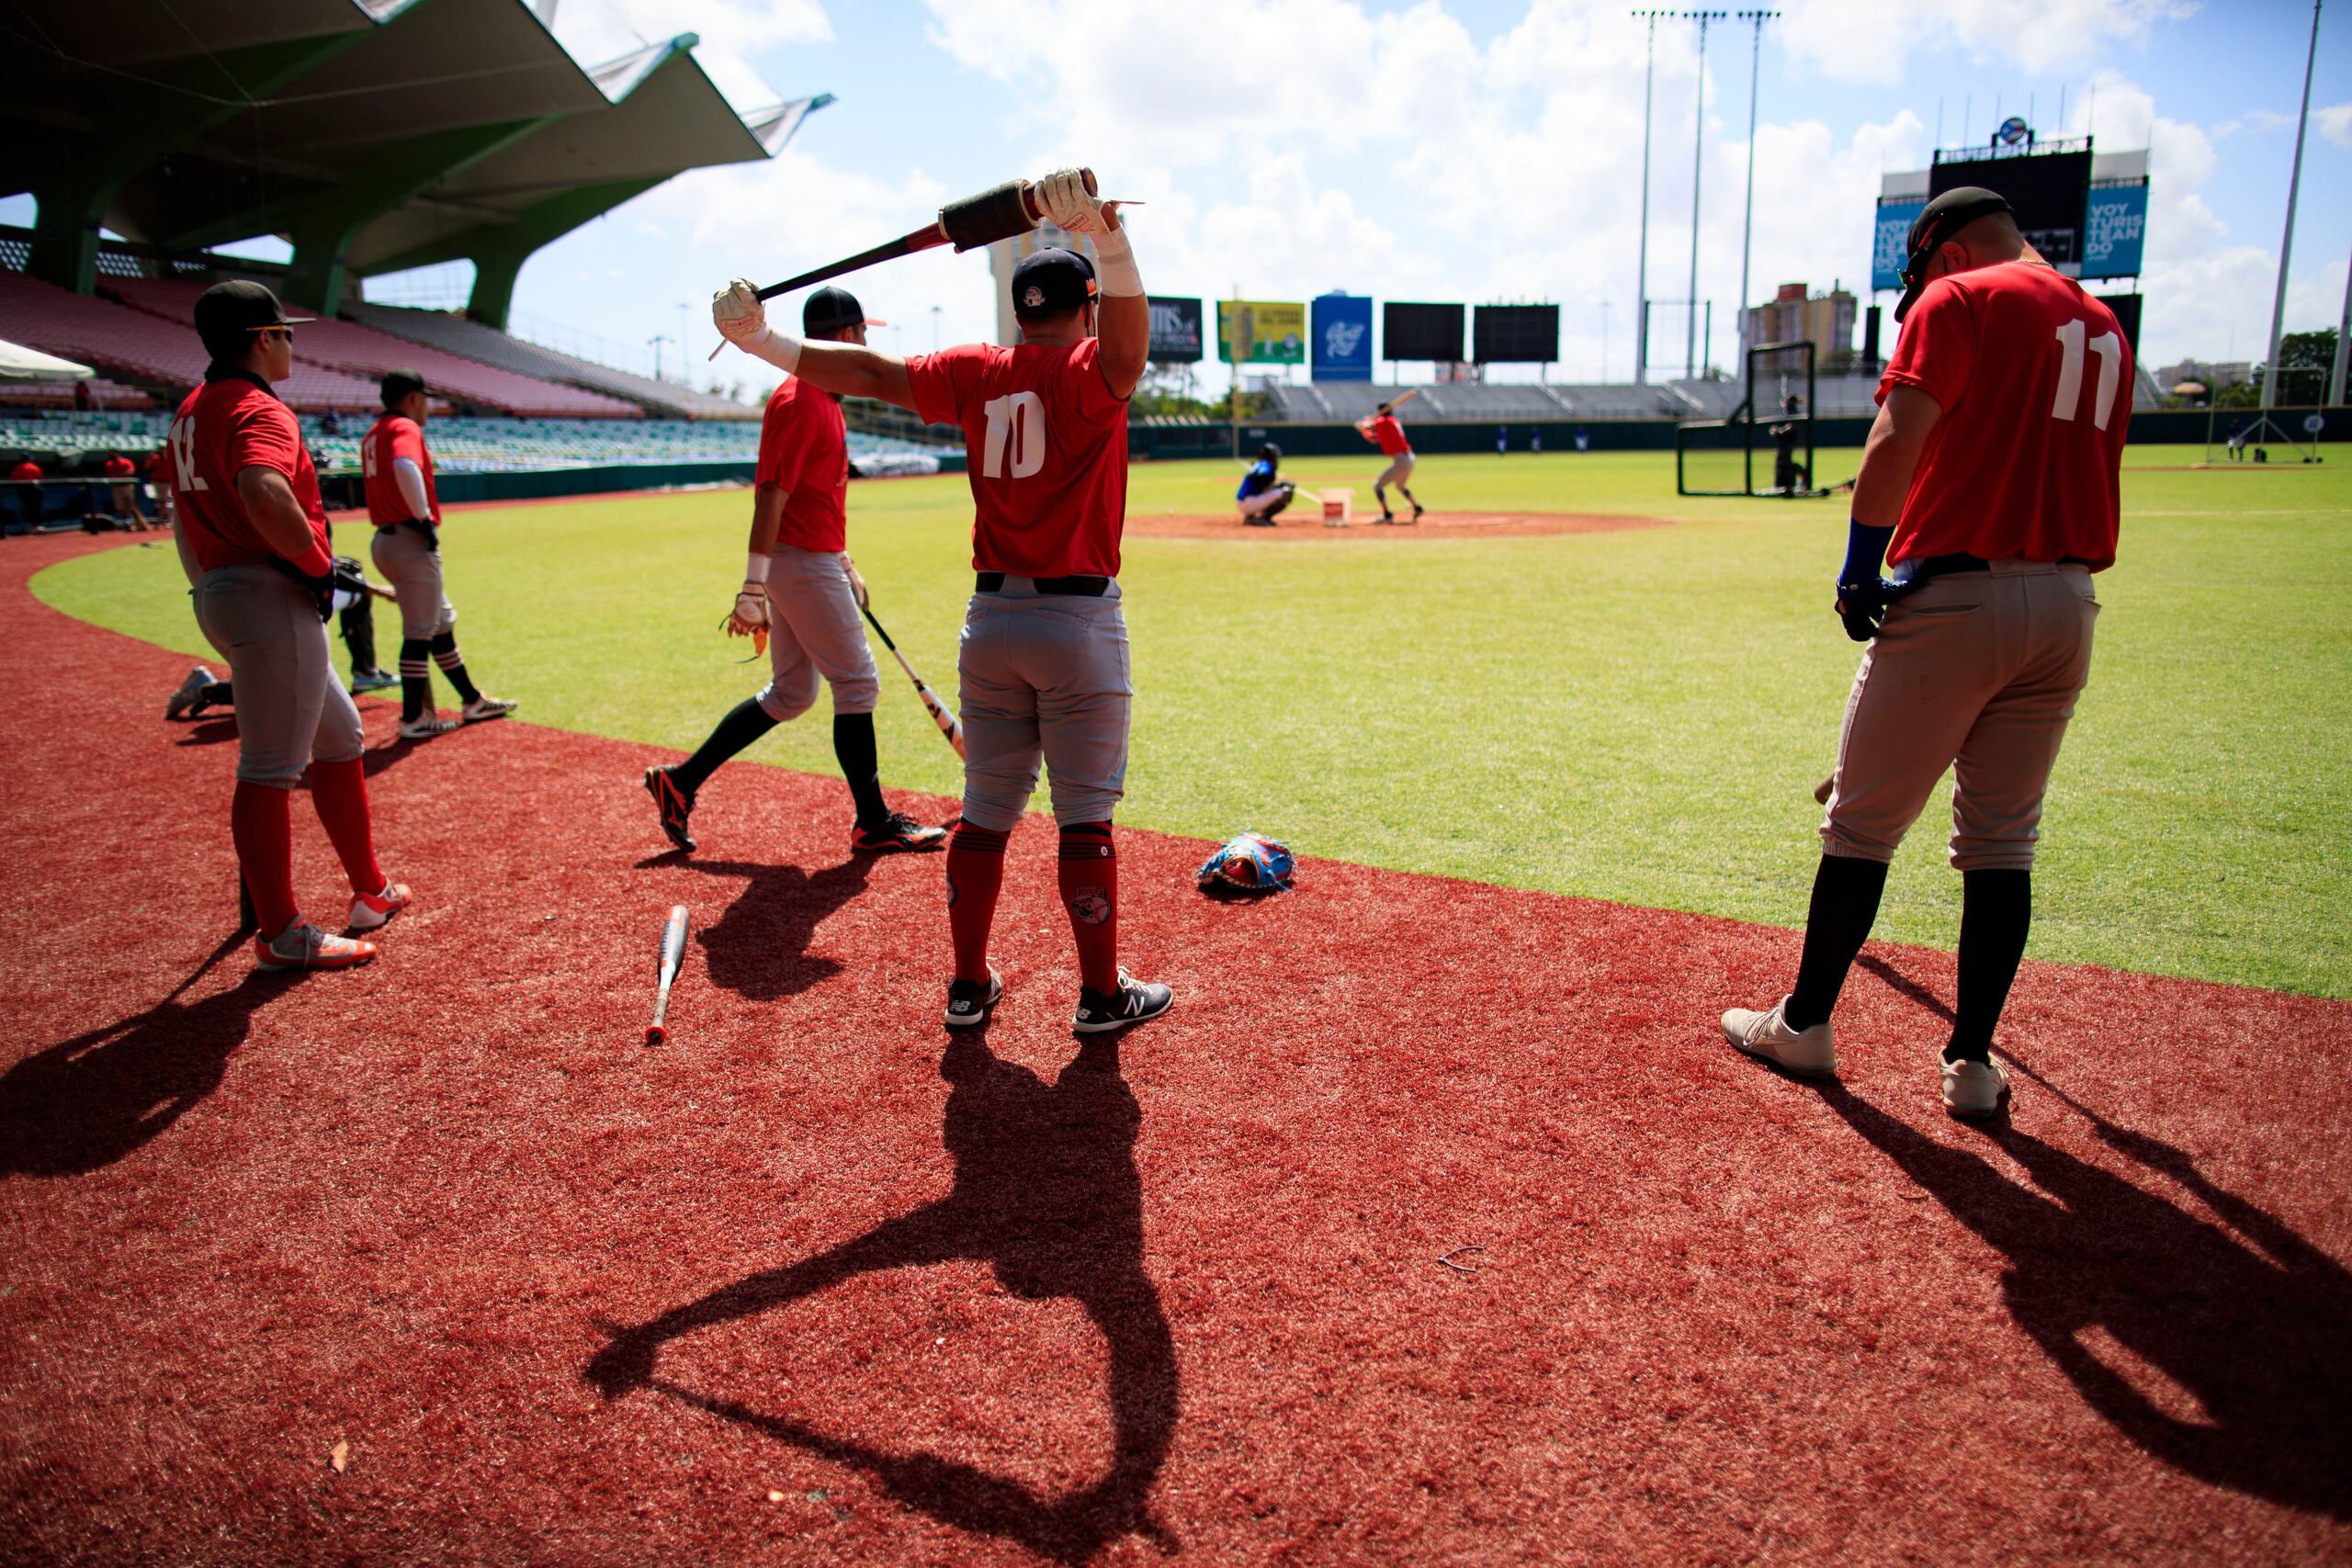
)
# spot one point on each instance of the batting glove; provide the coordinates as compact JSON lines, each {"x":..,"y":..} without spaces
{"x":1862,"y":602}
{"x":1064,"y":197}
{"x":751,"y":612}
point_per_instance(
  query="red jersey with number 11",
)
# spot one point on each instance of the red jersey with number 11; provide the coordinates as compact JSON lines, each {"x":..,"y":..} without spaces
{"x":2035,"y":382}
{"x":1046,"y":448}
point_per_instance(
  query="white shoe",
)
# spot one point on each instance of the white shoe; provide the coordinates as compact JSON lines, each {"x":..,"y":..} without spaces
{"x":370,"y":910}
{"x":425,"y":726}
{"x":1975,"y":1088}
{"x":1809,"y":1051}
{"x":191,"y":689}
{"x":484,"y":707}
{"x":304,"y":946}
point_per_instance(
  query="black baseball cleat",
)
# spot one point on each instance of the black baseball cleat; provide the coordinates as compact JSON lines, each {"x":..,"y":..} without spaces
{"x":1135,"y":1001}
{"x":674,"y":803}
{"x":1416,"y":517}
{"x":897,"y":834}
{"x":970,"y":1002}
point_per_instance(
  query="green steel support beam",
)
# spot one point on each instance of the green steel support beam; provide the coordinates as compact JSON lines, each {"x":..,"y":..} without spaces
{"x":75,"y":178}
{"x":499,"y":250}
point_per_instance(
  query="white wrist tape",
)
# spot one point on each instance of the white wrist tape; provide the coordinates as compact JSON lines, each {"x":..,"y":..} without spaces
{"x":1115,"y":264}
{"x":755,"y":567}
{"x":779,"y":349}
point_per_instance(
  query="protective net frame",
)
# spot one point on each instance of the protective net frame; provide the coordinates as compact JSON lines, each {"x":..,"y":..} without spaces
{"x":1769,"y":364}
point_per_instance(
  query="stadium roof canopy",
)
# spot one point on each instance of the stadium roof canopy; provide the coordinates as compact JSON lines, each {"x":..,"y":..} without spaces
{"x":373,"y":135}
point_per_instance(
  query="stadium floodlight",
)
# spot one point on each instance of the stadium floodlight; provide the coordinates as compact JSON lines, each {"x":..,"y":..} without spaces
{"x":1748,"y":226}
{"x":2286,"y":241}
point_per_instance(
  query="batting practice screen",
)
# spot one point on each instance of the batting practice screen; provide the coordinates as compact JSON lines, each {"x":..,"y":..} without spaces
{"x":2050,"y":191}
{"x":1420,"y":331}
{"x":1522,"y":334}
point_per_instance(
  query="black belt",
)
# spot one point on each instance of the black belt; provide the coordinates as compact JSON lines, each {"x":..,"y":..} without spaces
{"x":1075,"y":587}
{"x":430,"y":530}
{"x":1945,"y":565}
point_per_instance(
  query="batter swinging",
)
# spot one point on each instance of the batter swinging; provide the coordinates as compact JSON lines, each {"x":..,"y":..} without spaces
{"x":1043,"y":654}
{"x":1384,"y":431}
{"x":800,"y":588}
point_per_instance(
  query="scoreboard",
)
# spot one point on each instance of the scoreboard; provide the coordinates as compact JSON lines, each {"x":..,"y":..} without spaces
{"x":1522,"y":335}
{"x":2049,"y":190}
{"x":1420,"y":331}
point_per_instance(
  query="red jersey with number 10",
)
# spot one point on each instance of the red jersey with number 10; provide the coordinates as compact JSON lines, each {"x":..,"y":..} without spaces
{"x":2035,"y":382}
{"x":395,"y":435}
{"x":1046,"y":448}
{"x":223,"y":428}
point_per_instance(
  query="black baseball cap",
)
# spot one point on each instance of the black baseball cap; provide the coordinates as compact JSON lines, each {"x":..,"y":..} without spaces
{"x":1051,"y":280}
{"x":228,"y":313}
{"x":831,"y":308}
{"x":399,"y":384}
{"x":1938,"y":221}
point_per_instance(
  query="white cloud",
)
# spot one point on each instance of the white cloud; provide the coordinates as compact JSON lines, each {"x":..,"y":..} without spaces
{"x":1872,"y":41}
{"x":598,"y":30}
{"x":2336,"y":123}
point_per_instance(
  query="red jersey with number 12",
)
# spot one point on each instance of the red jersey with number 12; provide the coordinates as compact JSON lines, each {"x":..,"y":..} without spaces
{"x":2035,"y":382}
{"x":395,"y":435}
{"x":1046,"y":448}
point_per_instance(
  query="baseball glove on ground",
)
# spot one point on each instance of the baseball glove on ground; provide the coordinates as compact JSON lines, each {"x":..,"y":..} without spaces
{"x":1248,"y":863}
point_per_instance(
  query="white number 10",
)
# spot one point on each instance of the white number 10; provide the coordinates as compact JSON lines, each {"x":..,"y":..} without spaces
{"x":1021,"y":419}
{"x":2109,"y":349}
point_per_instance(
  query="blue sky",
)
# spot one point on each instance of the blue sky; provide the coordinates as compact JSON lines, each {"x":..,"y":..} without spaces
{"x":1457,"y":149}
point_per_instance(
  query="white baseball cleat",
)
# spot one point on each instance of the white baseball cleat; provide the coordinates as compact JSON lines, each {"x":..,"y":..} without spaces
{"x":1809,"y":1051}
{"x":304,"y":946}
{"x":370,"y":911}
{"x":191,"y":689}
{"x":487,"y":707}
{"x":1973,"y":1089}
{"x":425,"y":726}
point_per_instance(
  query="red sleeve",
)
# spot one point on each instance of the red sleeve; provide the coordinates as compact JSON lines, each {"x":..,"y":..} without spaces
{"x":945,"y":382}
{"x":408,"y":441}
{"x":1936,"y":351}
{"x":265,"y":436}
{"x":784,"y":437}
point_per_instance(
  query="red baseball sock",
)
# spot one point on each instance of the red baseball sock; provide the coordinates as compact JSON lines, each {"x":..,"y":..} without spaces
{"x":339,"y":791}
{"x":261,"y":820}
{"x":975,"y":877}
{"x":1090,"y":884}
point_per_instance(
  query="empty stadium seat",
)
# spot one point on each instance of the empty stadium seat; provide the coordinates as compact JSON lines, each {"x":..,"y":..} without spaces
{"x":441,"y":329}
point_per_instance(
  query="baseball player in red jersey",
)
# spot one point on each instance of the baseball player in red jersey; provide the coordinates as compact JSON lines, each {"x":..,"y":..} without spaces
{"x":801,"y":588}
{"x":1384,"y":432}
{"x":402,"y":502}
{"x":1043,"y":656}
{"x":1991,"y":483}
{"x":254,"y":532}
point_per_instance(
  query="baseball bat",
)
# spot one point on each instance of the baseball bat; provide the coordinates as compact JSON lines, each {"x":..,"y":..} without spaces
{"x":673,"y":951}
{"x":938,"y":710}
{"x":1395,"y":403}
{"x":996,"y":214}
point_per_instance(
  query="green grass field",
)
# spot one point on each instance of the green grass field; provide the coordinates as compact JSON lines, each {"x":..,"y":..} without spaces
{"x":1637,"y":716}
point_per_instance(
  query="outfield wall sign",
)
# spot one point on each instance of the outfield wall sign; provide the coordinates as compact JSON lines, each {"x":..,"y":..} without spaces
{"x":2115,"y":225}
{"x":1342,"y":337}
{"x":1175,"y":329}
{"x":1890,"y":241}
{"x":1277,"y":335}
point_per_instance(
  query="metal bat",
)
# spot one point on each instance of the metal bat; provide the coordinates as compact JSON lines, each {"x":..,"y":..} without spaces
{"x":939,"y":714}
{"x":674,"y":953}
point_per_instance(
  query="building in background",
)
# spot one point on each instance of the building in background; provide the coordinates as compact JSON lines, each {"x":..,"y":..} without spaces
{"x":1825,"y":320}
{"x":2213,"y":374}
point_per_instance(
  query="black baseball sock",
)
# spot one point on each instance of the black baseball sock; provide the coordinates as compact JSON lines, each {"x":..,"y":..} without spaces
{"x":744,"y":722}
{"x":416,"y":677}
{"x":1996,"y":911}
{"x":853,"y":745}
{"x":1382,"y":496}
{"x":1846,"y":892}
{"x":445,"y":654}
{"x":1408,"y":498}
{"x":220,"y":694}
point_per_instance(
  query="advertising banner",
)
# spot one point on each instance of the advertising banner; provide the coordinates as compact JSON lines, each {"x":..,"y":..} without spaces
{"x":1342,"y":337}
{"x":1895,"y":217}
{"x":1277,"y":330}
{"x":1175,"y":329}
{"x":2115,"y":223}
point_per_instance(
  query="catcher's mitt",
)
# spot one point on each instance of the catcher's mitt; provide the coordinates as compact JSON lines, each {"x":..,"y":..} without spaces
{"x":1248,"y":863}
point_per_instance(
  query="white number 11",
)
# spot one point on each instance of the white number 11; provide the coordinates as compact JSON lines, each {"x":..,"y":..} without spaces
{"x":2109,"y":349}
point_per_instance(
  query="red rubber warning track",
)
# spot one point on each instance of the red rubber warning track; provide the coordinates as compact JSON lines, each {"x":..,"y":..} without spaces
{"x":1434,"y":1224}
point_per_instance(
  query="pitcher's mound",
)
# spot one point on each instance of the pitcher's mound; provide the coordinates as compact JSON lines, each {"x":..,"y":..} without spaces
{"x":1302,"y":522}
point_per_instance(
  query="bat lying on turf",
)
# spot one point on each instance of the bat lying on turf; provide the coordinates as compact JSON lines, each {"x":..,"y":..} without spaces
{"x":674,"y":953}
{"x":938,"y":710}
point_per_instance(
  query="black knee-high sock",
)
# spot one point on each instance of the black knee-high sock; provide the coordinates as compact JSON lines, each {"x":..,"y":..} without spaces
{"x":853,"y":745}
{"x":1995,"y":909}
{"x":1382,"y":496}
{"x":744,"y":722}
{"x":445,"y":654}
{"x":1846,"y":892}
{"x":1408,"y":495}
{"x":416,"y":676}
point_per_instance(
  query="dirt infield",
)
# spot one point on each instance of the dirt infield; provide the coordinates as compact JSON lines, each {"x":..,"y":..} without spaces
{"x":1434,"y":1224}
{"x":1304,"y":521}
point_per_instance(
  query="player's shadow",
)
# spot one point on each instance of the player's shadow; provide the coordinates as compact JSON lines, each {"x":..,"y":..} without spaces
{"x":1046,"y":1192}
{"x":2235,"y":1363}
{"x":758,"y":948}
{"x":209,"y":732}
{"x":88,"y":1101}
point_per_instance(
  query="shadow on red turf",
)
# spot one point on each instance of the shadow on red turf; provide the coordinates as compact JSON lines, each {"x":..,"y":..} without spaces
{"x":758,"y":948}
{"x":88,"y":1101}
{"x":1048,"y":1194}
{"x":2234,"y":1321}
